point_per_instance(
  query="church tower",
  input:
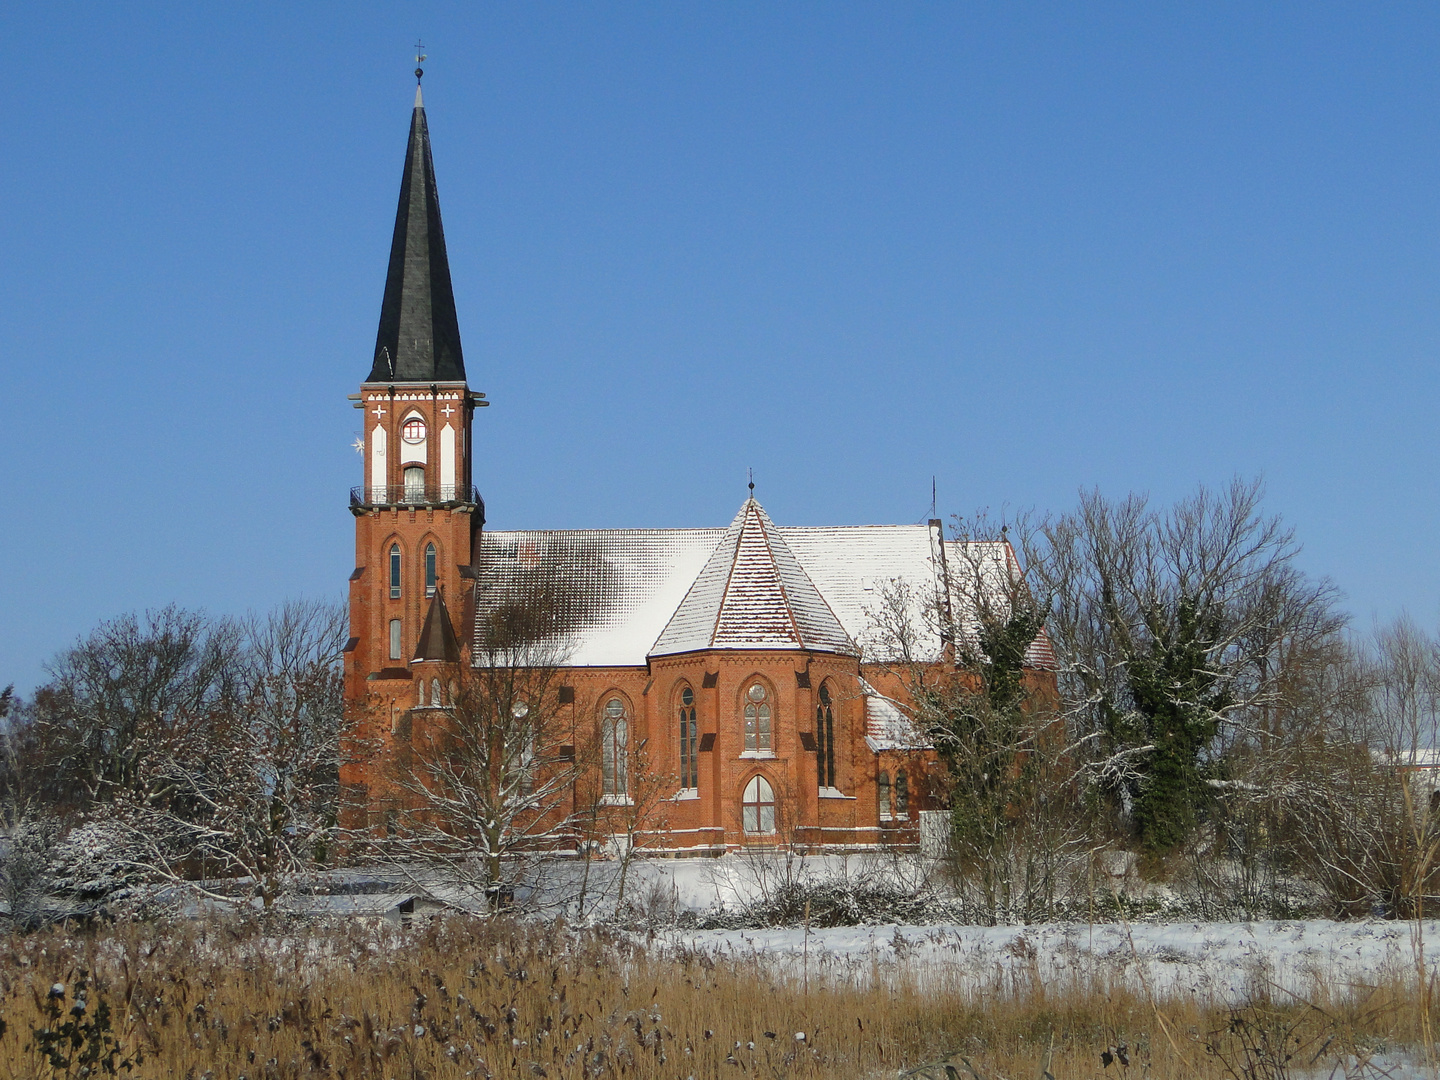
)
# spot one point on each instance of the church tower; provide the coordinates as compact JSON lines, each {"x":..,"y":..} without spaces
{"x":417,"y":513}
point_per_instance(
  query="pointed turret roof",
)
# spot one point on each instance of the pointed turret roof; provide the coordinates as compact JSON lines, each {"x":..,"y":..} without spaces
{"x":753,"y":594}
{"x":437,"y":637}
{"x":419,"y":337}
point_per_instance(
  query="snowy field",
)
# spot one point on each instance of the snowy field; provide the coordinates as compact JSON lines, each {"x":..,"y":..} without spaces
{"x":1219,"y":961}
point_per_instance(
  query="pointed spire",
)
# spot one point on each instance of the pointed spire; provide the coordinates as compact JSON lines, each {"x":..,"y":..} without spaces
{"x":419,"y":336}
{"x":437,"y":637}
{"x":753,"y":594}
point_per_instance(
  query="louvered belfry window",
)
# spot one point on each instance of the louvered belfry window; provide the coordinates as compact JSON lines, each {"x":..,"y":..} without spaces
{"x":825,"y":738}
{"x":757,"y":719}
{"x":689,"y":741}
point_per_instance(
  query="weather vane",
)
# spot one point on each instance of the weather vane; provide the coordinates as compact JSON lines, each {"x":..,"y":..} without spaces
{"x":420,"y":58}
{"x":750,"y":473}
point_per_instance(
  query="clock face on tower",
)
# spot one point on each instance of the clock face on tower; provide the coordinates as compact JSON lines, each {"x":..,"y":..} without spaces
{"x":414,"y":430}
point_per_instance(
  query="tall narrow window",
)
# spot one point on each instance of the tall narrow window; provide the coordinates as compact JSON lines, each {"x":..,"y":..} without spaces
{"x":759,"y":806}
{"x":414,"y":483}
{"x":689,"y":758}
{"x":882,"y":786}
{"x":522,"y":745}
{"x":394,"y":639}
{"x":757,"y":719}
{"x":614,"y":742}
{"x":394,"y":571}
{"x":825,"y":738}
{"x":429,"y":569}
{"x":902,"y":795}
{"x":434,"y":693}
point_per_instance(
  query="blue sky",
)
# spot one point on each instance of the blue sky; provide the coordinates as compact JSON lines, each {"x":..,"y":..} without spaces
{"x":1023,"y":248}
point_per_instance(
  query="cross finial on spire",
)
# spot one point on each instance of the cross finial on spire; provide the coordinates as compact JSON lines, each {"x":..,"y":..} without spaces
{"x":420,"y":58}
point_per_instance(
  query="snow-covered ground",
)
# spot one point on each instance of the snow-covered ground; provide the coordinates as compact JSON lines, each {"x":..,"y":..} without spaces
{"x":1221,"y":961}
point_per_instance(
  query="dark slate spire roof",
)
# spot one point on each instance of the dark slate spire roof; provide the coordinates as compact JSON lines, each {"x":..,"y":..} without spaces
{"x":419,"y":338}
{"x":437,"y":637}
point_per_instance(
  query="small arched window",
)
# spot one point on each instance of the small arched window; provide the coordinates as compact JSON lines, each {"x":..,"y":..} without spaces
{"x":757,"y":719}
{"x":414,"y":430}
{"x":902,"y":795}
{"x":414,"y":483}
{"x":394,"y":571}
{"x":395,"y":639}
{"x":420,"y":694}
{"x":614,"y":744}
{"x":825,"y":737}
{"x":759,"y":806}
{"x":429,"y":569}
{"x":435,"y":693}
{"x":689,"y":755}
{"x":882,"y":786}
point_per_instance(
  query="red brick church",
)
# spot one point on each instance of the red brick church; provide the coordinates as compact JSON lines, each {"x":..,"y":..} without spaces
{"x":744,"y":659}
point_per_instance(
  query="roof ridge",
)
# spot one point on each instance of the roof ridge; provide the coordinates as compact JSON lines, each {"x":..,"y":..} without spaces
{"x":729,"y":574}
{"x":762,"y":517}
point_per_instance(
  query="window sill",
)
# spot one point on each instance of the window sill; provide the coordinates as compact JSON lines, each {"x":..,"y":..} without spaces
{"x":760,"y":755}
{"x":686,"y":794}
{"x":616,"y":800}
{"x":835,"y":793}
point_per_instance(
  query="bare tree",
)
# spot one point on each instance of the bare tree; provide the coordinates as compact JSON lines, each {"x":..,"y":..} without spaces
{"x":1371,"y":828}
{"x":201,"y":747}
{"x":129,"y":675}
{"x":485,"y":779}
{"x":987,"y":704}
{"x":246,"y":787}
{"x":1169,"y":626}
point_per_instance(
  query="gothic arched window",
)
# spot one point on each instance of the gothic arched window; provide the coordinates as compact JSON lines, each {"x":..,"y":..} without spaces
{"x":395,"y":639}
{"x":825,"y":737}
{"x":394,"y":571}
{"x":757,"y":719}
{"x":902,"y":795}
{"x":614,"y":744}
{"x":689,"y":755}
{"x":429,"y":569}
{"x":882,"y":787}
{"x":759,"y":806}
{"x":434,"y":693}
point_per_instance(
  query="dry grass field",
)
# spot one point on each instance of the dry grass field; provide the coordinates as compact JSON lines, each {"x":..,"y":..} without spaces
{"x":471,"y":998}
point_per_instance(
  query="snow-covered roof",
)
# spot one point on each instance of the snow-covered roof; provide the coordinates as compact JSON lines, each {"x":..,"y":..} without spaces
{"x":622,"y":595}
{"x":752,"y":594}
{"x":887,"y":727}
{"x":620,"y":586}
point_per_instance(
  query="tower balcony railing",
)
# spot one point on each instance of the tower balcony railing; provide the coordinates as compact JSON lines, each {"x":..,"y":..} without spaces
{"x":370,"y":496}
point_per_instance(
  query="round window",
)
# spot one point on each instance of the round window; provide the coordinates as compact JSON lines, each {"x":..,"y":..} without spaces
{"x":756,"y":692}
{"x":687,"y":696}
{"x":414,"y":430}
{"x":614,"y":708}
